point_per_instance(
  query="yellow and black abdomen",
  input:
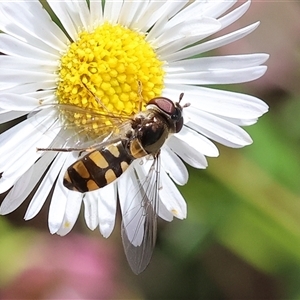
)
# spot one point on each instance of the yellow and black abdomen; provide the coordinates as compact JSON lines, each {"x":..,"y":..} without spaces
{"x":98,"y":168}
{"x":101,"y":167}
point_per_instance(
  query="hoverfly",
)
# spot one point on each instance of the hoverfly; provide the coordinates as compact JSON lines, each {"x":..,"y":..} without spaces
{"x":142,"y":135}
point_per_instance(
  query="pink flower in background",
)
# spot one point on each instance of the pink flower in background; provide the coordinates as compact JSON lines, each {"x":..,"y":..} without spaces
{"x":73,"y":268}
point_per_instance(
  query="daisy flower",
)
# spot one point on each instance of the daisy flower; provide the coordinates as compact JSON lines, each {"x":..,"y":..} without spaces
{"x":110,"y":58}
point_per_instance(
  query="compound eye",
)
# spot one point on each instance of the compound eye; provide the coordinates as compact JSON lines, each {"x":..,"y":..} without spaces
{"x":164,"y":104}
{"x":179,"y":125}
{"x":177,"y":114}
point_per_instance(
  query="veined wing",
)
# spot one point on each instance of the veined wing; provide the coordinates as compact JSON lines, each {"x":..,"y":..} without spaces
{"x":86,"y":128}
{"x":139,"y":211}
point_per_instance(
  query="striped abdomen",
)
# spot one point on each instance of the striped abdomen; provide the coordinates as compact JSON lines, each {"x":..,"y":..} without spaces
{"x":101,"y":167}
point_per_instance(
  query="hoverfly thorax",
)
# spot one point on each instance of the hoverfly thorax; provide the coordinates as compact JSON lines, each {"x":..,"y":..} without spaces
{"x":161,"y":118}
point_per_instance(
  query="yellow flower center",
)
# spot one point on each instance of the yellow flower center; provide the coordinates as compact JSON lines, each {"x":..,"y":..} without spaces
{"x":110,"y":70}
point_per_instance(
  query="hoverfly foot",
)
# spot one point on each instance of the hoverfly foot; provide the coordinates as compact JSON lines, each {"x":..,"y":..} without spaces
{"x":90,"y":149}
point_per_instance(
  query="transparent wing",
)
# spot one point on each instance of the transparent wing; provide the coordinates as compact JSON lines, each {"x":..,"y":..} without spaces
{"x":86,"y":128}
{"x":139,"y":210}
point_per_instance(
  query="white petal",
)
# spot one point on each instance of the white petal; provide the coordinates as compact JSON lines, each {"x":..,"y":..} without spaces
{"x":61,"y":194}
{"x":28,"y":87}
{"x":191,"y":156}
{"x":62,"y":11}
{"x":45,"y":187}
{"x":23,"y":137}
{"x":107,"y":206}
{"x":18,"y":102}
{"x":210,"y":45}
{"x":90,"y":201}
{"x":241,"y":122}
{"x":6,"y":116}
{"x":197,"y":141}
{"x":142,"y":9}
{"x":234,"y":15}
{"x":185,"y":14}
{"x":18,"y":161}
{"x":19,"y":63}
{"x":12,"y":46}
{"x":155,"y":11}
{"x":226,"y":76}
{"x":112,"y":11}
{"x":164,"y":213}
{"x":13,"y":136}
{"x":79,"y":12}
{"x":171,"y":197}
{"x":47,"y":35}
{"x":44,"y":97}
{"x":190,"y":33}
{"x":18,"y":135}
{"x":217,"y":129}
{"x":24,"y":76}
{"x":47,"y":122}
{"x":71,"y":213}
{"x":196,"y":27}
{"x":211,"y":9}
{"x":217,"y":63}
{"x":95,"y":12}
{"x":173,"y":165}
{"x":25,"y":185}
{"x":218,"y":7}
{"x":158,"y":28}
{"x":130,"y":12}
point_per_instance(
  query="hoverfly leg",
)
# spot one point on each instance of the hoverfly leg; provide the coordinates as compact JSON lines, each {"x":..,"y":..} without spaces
{"x":140,"y":89}
{"x":66,"y":149}
{"x":96,"y":97}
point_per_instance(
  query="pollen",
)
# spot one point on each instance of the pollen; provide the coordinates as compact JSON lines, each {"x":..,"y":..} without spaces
{"x":110,"y":71}
{"x":174,"y":212}
{"x":67,"y":224}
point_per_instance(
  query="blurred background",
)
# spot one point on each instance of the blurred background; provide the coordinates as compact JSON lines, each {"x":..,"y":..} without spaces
{"x":241,"y":239}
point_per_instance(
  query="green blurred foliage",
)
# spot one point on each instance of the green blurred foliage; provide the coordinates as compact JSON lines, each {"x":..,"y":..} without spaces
{"x":15,"y":244}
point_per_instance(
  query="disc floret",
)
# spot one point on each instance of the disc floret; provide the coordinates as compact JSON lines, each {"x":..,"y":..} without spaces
{"x":111,"y":69}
